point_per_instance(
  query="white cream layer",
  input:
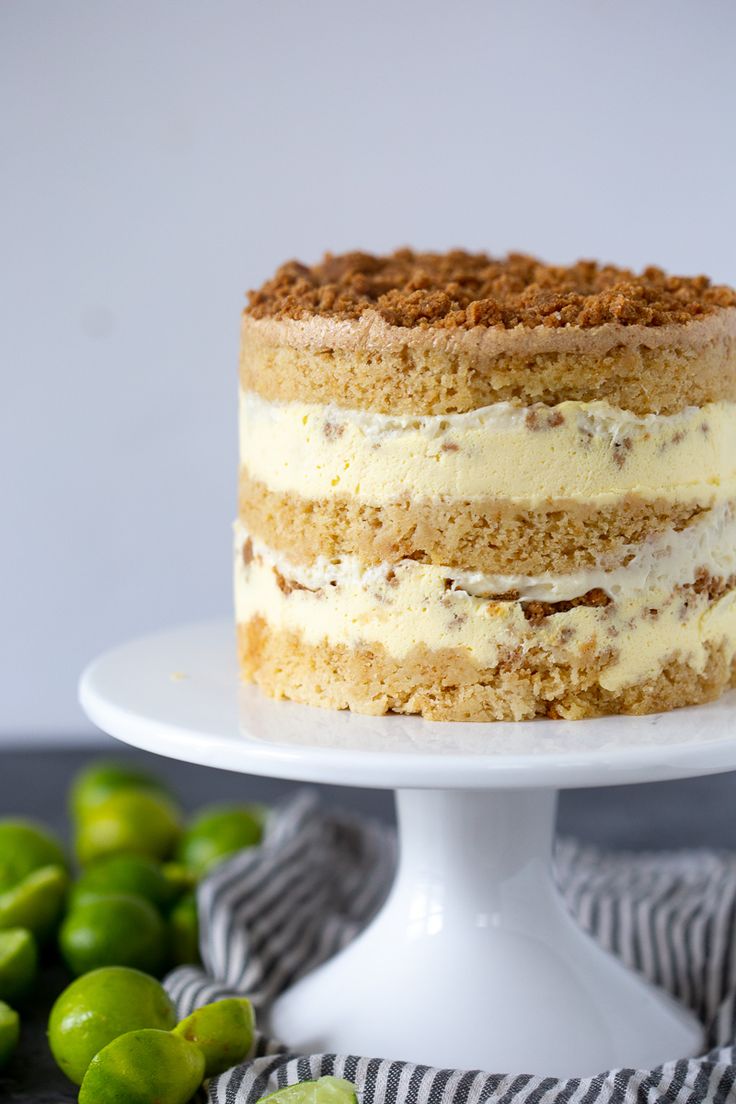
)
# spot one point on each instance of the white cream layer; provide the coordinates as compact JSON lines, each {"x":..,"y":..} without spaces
{"x":410,"y":606}
{"x":589,"y":452}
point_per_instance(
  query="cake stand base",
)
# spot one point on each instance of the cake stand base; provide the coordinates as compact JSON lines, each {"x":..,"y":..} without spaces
{"x":474,"y":960}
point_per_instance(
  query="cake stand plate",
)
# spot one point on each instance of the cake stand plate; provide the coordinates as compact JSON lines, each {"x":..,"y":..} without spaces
{"x":474,"y":960}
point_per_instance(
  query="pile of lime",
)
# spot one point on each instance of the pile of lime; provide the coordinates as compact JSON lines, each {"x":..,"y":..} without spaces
{"x":121,"y":913}
{"x":134,"y":901}
{"x":114,"y":1033}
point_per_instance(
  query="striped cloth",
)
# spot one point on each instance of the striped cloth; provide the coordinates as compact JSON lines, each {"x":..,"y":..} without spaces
{"x":271,"y":914}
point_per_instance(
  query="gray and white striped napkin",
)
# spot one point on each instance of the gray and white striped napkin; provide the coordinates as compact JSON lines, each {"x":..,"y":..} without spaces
{"x":271,"y":914}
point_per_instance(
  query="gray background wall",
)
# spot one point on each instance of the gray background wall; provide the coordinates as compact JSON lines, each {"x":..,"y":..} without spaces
{"x":159,"y":157}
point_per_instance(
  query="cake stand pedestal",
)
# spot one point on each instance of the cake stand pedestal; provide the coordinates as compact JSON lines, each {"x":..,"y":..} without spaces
{"x":474,"y":960}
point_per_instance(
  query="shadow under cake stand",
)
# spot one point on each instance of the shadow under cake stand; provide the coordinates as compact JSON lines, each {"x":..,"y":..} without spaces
{"x":474,"y":961}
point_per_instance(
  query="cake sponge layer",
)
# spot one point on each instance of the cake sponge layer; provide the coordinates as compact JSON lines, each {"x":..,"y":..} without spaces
{"x":486,"y":535}
{"x":372,"y":365}
{"x":447,"y":685}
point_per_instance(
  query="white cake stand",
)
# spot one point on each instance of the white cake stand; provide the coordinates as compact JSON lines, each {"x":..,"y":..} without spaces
{"x":474,"y":961}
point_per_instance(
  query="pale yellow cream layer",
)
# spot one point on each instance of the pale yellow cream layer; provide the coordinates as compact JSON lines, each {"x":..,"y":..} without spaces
{"x":410,"y":605}
{"x":588,"y":452}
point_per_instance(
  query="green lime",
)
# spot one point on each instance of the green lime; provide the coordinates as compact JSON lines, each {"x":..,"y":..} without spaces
{"x":327,"y":1090}
{"x":24,"y":847}
{"x":180,"y":878}
{"x":116,"y":930}
{"x":130,"y":874}
{"x":184,"y":931}
{"x":144,"y":1067}
{"x":9,"y":1033}
{"x":18,"y":962}
{"x":97,"y":1008}
{"x":218,"y":832}
{"x":223,"y":1031}
{"x":132,"y":821}
{"x":36,"y":902}
{"x":100,"y":780}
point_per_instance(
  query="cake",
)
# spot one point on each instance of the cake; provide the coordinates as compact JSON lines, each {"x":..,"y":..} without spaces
{"x":487,"y":489}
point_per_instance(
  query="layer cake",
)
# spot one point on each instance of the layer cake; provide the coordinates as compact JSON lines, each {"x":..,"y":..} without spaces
{"x":487,"y":489}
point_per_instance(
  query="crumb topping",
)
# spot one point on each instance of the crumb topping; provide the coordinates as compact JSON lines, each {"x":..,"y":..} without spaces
{"x":459,"y":290}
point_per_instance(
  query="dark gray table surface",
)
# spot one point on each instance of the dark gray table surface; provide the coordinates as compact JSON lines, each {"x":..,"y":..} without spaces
{"x":699,"y":812}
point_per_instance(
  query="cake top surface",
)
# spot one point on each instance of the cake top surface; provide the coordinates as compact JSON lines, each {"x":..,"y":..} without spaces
{"x":459,"y":291}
